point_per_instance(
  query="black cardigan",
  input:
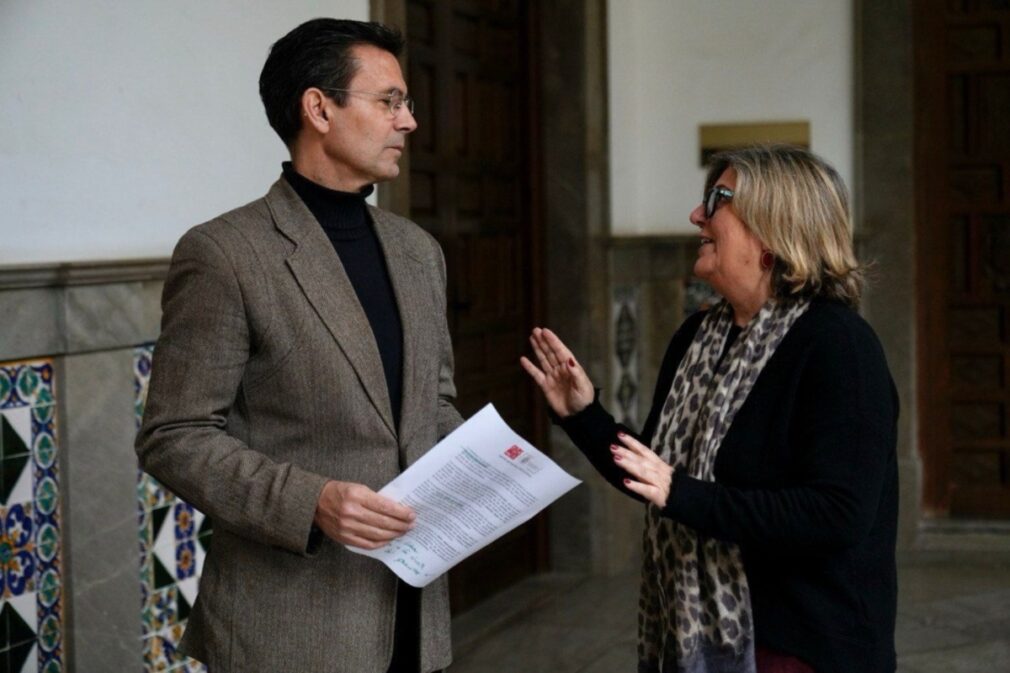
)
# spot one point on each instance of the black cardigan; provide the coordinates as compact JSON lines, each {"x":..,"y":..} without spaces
{"x":805,"y":483}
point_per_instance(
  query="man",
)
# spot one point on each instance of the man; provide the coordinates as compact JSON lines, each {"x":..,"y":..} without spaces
{"x":304,"y":361}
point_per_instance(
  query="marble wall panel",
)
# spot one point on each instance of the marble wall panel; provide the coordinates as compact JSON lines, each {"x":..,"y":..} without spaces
{"x":32,"y":323}
{"x":110,"y":315}
{"x":100,"y":532}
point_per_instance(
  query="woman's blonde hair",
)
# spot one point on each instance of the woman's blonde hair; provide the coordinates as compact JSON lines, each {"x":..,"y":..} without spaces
{"x":798,"y":206}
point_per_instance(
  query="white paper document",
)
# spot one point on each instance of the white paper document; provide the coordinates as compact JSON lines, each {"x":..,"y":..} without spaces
{"x":471,"y":488}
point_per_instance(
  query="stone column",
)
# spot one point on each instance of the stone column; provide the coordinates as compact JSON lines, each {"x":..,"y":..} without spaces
{"x":588,"y":531}
{"x":885,"y":215}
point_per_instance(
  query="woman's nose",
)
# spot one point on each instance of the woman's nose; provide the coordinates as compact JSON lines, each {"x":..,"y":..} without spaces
{"x":698,"y":216}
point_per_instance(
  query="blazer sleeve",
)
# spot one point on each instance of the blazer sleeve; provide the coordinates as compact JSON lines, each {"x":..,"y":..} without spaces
{"x":844,"y":436}
{"x":448,"y":417}
{"x":197,"y":370}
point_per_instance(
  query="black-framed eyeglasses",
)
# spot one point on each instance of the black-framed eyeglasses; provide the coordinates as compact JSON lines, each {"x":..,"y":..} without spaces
{"x":396,"y":100}
{"x":715,"y":197}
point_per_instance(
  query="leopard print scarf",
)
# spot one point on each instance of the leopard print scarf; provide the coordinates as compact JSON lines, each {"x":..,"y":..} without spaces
{"x":694,"y":606}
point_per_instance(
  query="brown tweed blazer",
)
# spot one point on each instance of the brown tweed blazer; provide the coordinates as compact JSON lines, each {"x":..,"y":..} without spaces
{"x":267,"y":383}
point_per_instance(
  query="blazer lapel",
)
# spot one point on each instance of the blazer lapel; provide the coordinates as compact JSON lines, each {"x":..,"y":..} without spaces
{"x":410,"y":285}
{"x":321,"y":276}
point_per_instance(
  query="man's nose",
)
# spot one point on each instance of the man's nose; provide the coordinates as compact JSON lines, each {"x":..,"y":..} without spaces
{"x":405,"y":121}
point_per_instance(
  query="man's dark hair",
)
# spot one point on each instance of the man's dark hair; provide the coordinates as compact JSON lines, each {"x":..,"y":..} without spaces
{"x":316,"y":53}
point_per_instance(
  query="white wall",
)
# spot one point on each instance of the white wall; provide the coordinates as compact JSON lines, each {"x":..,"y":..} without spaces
{"x":675,"y":64}
{"x":125,"y":123}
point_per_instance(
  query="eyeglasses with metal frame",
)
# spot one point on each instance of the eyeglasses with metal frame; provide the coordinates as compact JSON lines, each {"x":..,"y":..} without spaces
{"x":396,"y":100}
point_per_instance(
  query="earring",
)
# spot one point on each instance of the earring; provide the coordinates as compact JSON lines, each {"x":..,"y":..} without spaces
{"x":767,"y":260}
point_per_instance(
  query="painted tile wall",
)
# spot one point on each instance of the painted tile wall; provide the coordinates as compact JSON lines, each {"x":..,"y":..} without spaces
{"x":31,"y":586}
{"x":698,"y":295}
{"x":174,"y":539}
{"x":624,"y":362}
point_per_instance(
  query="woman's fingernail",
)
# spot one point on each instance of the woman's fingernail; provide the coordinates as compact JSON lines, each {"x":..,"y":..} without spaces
{"x":621,"y":435}
{"x":617,"y":458}
{"x":571,"y":362}
{"x":627,"y":482}
{"x":613,"y":447}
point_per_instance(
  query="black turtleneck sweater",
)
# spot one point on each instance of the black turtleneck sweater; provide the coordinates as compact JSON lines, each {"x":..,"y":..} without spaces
{"x":344,"y":217}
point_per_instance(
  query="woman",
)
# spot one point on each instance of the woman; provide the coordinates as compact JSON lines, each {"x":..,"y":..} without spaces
{"x":768,"y":458}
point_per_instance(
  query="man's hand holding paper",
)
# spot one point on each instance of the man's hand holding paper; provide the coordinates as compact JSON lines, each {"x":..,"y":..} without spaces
{"x":477,"y":484}
{"x":354,"y":514}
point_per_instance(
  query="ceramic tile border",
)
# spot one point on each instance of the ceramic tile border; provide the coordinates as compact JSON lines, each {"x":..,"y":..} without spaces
{"x":30,"y":384}
{"x":164,"y":588}
{"x":625,"y":338}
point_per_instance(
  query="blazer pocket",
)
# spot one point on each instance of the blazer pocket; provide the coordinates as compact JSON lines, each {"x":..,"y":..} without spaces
{"x":284,"y":339}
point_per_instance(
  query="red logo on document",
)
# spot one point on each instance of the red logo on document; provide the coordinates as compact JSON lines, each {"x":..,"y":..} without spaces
{"x":513,"y":452}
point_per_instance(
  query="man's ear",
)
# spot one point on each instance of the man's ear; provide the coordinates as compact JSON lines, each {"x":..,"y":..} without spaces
{"x":314,"y":112}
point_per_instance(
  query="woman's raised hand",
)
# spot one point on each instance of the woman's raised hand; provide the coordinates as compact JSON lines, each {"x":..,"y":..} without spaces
{"x":563,"y":381}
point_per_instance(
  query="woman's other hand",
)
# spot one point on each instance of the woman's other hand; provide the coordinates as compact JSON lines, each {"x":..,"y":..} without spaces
{"x":563,"y":381}
{"x":651,"y":474}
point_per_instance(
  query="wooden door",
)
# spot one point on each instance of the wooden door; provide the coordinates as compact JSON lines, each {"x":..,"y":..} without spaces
{"x":472,"y":179}
{"x":963,"y":210}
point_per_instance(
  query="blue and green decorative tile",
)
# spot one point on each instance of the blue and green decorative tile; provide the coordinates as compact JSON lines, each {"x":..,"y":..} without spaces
{"x":31,"y":587}
{"x":174,"y":538}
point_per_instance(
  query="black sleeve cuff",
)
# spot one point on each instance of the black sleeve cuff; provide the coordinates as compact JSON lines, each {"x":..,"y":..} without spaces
{"x":315,"y":541}
{"x":563,"y":421}
{"x":593,"y":430}
{"x":690,"y":500}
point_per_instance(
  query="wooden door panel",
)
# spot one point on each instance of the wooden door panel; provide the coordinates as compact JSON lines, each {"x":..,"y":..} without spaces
{"x":963,"y":181}
{"x":470,"y":173}
{"x":420,"y":27}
